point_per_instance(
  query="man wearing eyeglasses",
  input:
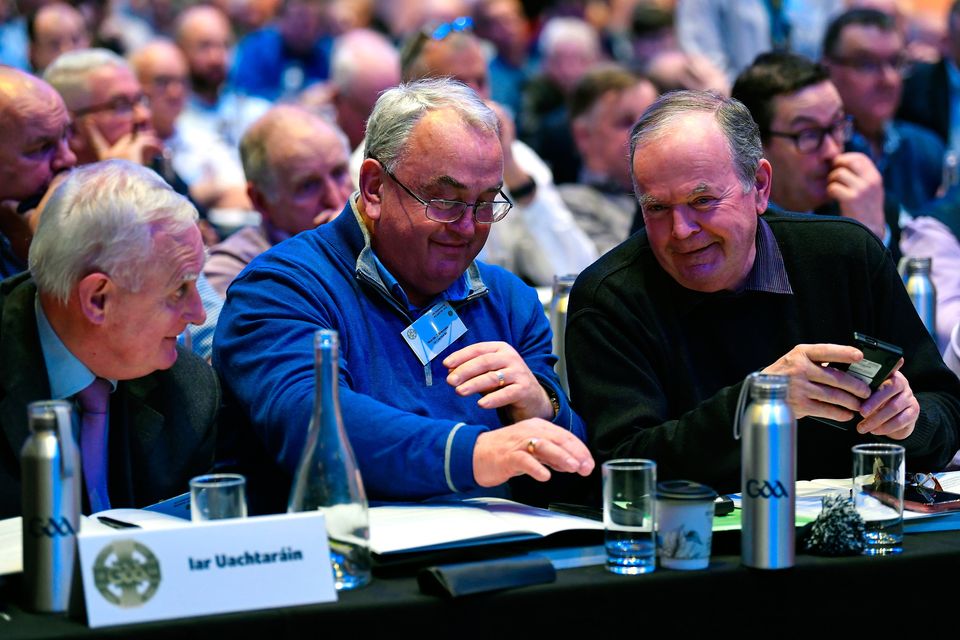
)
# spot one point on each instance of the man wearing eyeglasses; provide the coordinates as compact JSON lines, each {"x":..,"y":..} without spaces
{"x":446,"y":378}
{"x":111,"y":118}
{"x":863,"y":50}
{"x":803,"y":129}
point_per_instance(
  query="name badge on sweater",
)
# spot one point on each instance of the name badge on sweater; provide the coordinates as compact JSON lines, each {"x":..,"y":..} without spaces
{"x":434,"y":331}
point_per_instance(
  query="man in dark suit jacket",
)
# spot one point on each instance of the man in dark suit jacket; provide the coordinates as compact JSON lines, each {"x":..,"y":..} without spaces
{"x":927,"y":96}
{"x":112,"y":283}
{"x":927,"y":91}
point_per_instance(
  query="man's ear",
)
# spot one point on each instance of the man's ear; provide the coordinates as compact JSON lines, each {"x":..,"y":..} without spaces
{"x":763,"y":180}
{"x":259,"y":201}
{"x":96,"y":293}
{"x":371,"y":187}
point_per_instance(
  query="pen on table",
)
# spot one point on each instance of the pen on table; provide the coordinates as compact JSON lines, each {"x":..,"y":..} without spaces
{"x":117,"y":524}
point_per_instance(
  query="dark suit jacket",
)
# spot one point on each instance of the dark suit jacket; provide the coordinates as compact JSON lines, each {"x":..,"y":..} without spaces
{"x":162,"y":426}
{"x":926,"y":98}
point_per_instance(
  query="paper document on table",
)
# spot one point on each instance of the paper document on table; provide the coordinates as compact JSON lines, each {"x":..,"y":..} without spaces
{"x":11,"y":546}
{"x":422,"y":526}
{"x":810,"y":494}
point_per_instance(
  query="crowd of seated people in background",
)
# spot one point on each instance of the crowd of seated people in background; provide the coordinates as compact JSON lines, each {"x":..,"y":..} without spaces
{"x":255,"y":112}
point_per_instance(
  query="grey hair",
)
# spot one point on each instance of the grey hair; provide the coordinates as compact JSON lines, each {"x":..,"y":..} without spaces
{"x":734,"y":120}
{"x":259,"y":138}
{"x":398,"y":110}
{"x":566,"y":29}
{"x":104,"y":218}
{"x":70,"y":73}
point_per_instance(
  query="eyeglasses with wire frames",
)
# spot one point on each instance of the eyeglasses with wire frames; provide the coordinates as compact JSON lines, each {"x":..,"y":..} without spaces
{"x":810,"y":140}
{"x":926,"y":485}
{"x":449,"y":211}
{"x":120,"y":105}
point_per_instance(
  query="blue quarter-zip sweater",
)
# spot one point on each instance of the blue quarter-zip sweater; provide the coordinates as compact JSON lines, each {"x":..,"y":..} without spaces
{"x":412,"y":434}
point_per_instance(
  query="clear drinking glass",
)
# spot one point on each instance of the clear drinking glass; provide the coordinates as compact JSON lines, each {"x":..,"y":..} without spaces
{"x":878,"y":482}
{"x":217,"y":496}
{"x":629,"y":515}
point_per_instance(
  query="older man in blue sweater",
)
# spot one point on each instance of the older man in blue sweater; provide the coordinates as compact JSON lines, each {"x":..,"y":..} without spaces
{"x":446,"y":377}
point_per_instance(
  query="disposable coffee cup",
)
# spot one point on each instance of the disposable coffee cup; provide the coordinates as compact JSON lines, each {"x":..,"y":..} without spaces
{"x":684,"y":524}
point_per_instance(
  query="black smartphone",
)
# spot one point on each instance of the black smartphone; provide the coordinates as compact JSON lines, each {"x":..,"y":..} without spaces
{"x":879,"y":359}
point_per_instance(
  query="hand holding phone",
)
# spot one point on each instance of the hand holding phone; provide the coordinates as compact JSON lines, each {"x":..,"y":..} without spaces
{"x":891,"y":410}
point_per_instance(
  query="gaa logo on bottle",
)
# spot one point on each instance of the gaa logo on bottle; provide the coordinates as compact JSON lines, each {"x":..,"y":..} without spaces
{"x":51,"y":527}
{"x":766,"y":489}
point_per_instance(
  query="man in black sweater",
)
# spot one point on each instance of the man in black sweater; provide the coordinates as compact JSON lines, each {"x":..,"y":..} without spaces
{"x":663,"y":329}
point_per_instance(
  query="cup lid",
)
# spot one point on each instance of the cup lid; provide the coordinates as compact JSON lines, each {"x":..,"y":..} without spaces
{"x":684,"y":490}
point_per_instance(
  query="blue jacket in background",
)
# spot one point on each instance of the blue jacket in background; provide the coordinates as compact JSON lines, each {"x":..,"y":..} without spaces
{"x":911,"y":163}
{"x":264,"y":67}
{"x":413,"y":437}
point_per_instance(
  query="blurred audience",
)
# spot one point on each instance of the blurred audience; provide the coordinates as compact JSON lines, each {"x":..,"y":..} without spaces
{"x":204,"y":35}
{"x":569,"y":47}
{"x":503,"y":24}
{"x":210,"y":168}
{"x":297,"y":172}
{"x":286,"y":56}
{"x":54,"y":29}
{"x":364,"y":64}
{"x":931,"y":91}
{"x":863,"y":51}
{"x":604,"y":105}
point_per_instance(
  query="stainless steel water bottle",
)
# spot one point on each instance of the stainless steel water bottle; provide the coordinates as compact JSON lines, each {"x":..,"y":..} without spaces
{"x":768,"y":475}
{"x":327,"y":477}
{"x":922,"y":292}
{"x":558,"y":324}
{"x":50,"y":482}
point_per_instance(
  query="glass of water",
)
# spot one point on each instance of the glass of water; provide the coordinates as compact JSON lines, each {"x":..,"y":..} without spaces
{"x":217,"y":496}
{"x":629,"y":515}
{"x":878,"y":482}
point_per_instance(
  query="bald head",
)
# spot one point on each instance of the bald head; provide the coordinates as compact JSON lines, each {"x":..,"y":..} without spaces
{"x":33,"y":127}
{"x":363,"y":65}
{"x":161,"y":69}
{"x":54,"y":29}
{"x":204,"y":34}
{"x":296,"y":165}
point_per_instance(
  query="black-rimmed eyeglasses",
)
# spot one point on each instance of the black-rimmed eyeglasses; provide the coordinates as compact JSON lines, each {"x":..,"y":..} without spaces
{"x":449,"y":211}
{"x":811,"y":139}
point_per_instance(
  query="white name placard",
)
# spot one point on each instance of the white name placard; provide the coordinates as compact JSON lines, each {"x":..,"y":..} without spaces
{"x":194,"y":569}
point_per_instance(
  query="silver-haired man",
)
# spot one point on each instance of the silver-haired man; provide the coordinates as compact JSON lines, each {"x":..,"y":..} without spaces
{"x":111,"y":285}
{"x":663,"y":329}
{"x":447,"y":382}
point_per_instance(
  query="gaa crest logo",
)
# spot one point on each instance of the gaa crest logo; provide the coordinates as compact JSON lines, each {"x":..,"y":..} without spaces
{"x":126,"y":573}
{"x":766,"y":489}
{"x":412,"y":333}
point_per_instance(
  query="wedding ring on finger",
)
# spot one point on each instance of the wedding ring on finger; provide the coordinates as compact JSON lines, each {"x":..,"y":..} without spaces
{"x":500,"y":379}
{"x":532,"y":445}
